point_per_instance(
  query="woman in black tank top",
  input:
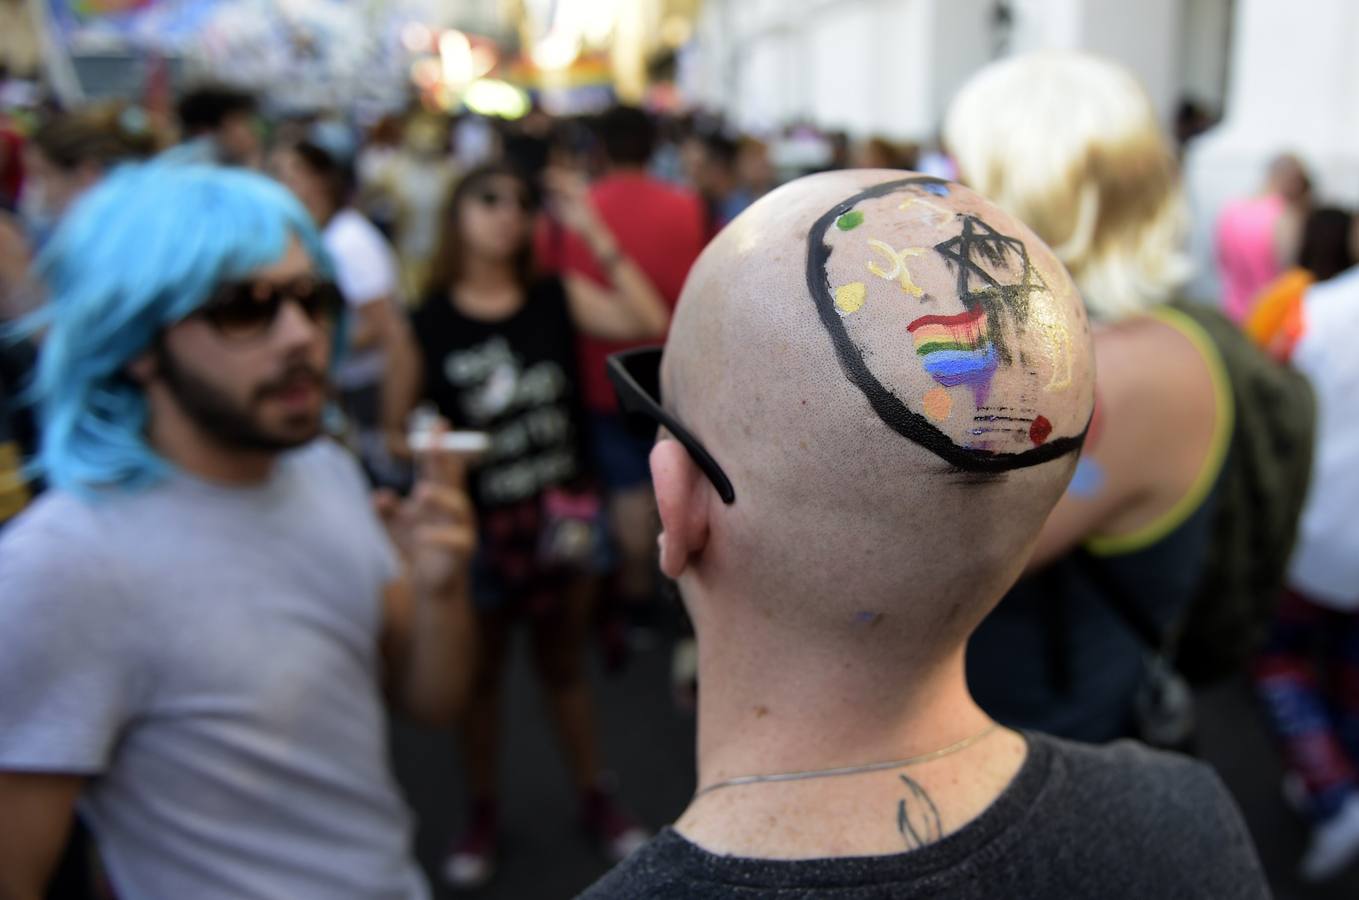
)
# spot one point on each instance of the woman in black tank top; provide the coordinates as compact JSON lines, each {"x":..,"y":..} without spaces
{"x":496,"y":353}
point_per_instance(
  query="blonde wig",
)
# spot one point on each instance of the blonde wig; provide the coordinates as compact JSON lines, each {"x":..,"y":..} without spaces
{"x":1070,"y":144}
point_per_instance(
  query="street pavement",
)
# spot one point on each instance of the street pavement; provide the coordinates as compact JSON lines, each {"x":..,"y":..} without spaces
{"x":648,"y":747}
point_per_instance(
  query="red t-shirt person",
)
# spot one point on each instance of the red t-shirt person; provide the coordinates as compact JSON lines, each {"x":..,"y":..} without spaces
{"x":658,"y":226}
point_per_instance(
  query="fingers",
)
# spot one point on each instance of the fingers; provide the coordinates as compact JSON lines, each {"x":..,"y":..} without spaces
{"x":439,"y":466}
{"x":386,"y":503}
{"x":563,"y":181}
{"x":458,"y":541}
{"x":398,"y":445}
{"x":437,"y":502}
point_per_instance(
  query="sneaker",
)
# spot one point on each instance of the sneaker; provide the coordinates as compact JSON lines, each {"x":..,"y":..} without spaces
{"x":471,"y":860}
{"x":1335,"y":844}
{"x":618,"y":834}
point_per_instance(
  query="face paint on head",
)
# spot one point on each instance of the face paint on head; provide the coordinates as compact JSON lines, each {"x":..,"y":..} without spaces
{"x":893,"y":259}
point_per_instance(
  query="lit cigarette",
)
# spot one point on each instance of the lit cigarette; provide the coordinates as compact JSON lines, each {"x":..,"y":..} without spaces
{"x":450,"y":441}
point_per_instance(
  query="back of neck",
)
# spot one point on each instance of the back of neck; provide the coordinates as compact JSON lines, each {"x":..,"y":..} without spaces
{"x":773,"y":702}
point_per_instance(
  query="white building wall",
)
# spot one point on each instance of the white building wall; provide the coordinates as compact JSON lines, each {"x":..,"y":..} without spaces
{"x":1142,"y":36}
{"x":845,"y":63}
{"x":967,"y":41}
{"x":1285,"y":75}
{"x":1045,"y":24}
{"x":864,"y":66}
{"x":891,"y":66}
{"x":1204,"y":42}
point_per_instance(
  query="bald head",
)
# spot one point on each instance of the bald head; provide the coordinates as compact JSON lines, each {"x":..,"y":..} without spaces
{"x":896,"y":376}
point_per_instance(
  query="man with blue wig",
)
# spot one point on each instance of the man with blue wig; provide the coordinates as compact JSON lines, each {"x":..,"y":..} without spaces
{"x":201,"y":616}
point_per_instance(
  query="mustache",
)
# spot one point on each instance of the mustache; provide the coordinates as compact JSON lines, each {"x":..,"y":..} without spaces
{"x":295,"y":373}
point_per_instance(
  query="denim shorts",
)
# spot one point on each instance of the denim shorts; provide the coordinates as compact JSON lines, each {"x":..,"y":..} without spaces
{"x":621,"y":458}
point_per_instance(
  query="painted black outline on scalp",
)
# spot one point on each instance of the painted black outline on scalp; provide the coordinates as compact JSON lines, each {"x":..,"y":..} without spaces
{"x":893,"y":412}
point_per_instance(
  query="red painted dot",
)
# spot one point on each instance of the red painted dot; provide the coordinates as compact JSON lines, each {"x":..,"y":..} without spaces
{"x":1039,"y":430}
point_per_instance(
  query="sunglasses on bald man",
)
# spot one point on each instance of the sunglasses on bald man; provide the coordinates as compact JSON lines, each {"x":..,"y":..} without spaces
{"x":636,"y":379}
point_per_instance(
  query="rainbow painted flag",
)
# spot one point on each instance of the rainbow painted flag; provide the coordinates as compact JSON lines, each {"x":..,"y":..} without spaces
{"x":957,"y":350}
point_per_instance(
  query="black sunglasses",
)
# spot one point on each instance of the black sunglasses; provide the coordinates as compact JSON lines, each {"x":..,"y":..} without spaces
{"x":636,"y":378}
{"x":246,"y":309}
{"x":497,"y":199}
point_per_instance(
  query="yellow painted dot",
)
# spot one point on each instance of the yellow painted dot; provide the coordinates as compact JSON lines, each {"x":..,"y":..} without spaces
{"x":938,"y":404}
{"x":849,"y":298}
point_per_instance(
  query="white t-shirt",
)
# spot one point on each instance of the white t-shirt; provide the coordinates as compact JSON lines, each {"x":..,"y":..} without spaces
{"x":366,"y":272}
{"x":1325,"y":564}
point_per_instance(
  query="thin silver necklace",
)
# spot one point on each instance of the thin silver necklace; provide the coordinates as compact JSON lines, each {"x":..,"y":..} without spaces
{"x":851,"y":770}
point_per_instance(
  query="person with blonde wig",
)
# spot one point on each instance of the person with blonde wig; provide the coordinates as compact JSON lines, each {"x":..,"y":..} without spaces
{"x":1069,"y":144}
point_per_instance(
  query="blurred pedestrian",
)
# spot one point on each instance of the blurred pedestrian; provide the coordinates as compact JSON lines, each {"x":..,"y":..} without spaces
{"x":67,"y":156}
{"x":413,"y":183}
{"x":202,"y":613}
{"x":754,"y":168}
{"x":219,"y":125}
{"x":1308,"y":674}
{"x":12,"y":139}
{"x":1330,"y":245}
{"x":836,"y":532}
{"x":710,"y":162}
{"x":497,"y":354}
{"x":660,"y":228}
{"x":879,"y":153}
{"x":69,"y":153}
{"x":1082,"y":648}
{"x":367,"y":273}
{"x":1256,"y":237}
{"x":1192,"y":119}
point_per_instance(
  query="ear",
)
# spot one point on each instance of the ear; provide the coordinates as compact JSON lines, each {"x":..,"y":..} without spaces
{"x":683,"y":505}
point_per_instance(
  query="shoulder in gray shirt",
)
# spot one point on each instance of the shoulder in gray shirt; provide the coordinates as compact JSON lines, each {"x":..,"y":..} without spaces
{"x":207,"y":656}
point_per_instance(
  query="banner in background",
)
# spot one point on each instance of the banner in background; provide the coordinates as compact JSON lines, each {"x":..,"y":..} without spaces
{"x":302,"y":53}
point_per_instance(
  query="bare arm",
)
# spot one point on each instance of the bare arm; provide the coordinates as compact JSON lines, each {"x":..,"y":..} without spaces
{"x":401,"y":387}
{"x":428,"y":639}
{"x":1133,"y":473}
{"x":633,"y":309}
{"x":1102,"y":489}
{"x":428,"y":651}
{"x":35,"y":819}
{"x":373,"y":324}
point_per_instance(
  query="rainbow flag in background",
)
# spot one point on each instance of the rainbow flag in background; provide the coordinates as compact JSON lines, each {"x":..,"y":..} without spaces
{"x":957,"y":350}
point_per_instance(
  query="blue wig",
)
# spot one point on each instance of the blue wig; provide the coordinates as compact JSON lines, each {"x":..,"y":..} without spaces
{"x":138,"y":253}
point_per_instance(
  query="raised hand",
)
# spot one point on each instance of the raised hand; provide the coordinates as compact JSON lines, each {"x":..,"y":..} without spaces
{"x":435,"y":528}
{"x":568,"y":197}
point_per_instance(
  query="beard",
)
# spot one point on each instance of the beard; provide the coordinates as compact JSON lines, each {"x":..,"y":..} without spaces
{"x":231,"y":424}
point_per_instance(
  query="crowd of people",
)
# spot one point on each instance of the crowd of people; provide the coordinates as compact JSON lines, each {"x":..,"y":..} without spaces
{"x":958,"y":489}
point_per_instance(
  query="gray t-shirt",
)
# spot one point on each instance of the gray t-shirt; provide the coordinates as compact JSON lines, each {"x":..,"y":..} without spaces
{"x":1111,"y":822}
{"x":208,"y":657}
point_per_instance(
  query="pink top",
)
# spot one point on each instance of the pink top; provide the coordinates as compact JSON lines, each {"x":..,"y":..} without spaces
{"x":1247,"y":255}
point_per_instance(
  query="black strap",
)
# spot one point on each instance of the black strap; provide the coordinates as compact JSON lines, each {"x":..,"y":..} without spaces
{"x":1122,"y":602}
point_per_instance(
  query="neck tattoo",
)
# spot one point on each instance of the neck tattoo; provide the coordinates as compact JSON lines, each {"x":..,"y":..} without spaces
{"x":741,"y":780}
